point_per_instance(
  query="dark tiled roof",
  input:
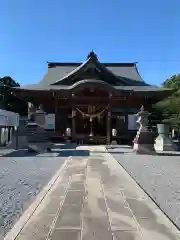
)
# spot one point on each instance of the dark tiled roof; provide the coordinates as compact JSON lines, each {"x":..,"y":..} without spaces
{"x":120,"y":72}
{"x":118,"y":76}
{"x":56,"y":73}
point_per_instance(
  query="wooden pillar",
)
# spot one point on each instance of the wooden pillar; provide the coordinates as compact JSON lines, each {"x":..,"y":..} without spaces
{"x":73,"y":130}
{"x":55,"y":112}
{"x":109,"y":125}
{"x":109,"y":122}
{"x":55,"y":109}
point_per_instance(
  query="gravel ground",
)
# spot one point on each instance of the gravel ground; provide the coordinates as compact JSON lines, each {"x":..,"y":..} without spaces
{"x":159,"y":176}
{"x":21,"y":179}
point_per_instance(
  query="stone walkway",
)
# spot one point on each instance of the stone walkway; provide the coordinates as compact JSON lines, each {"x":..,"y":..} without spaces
{"x":94,"y":199}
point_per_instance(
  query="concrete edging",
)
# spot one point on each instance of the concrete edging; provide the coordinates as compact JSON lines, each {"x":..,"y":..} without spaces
{"x":20,"y":224}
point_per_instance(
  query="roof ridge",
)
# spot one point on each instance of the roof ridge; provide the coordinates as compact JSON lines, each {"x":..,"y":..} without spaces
{"x":118,"y":64}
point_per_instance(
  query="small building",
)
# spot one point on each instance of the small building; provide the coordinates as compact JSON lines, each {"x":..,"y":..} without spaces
{"x":8,"y":122}
{"x":92,"y":98}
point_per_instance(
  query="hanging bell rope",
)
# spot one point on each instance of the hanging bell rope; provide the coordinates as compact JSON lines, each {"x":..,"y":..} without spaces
{"x":92,"y":115}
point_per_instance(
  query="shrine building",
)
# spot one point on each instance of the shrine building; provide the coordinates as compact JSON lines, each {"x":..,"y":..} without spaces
{"x":92,"y":98}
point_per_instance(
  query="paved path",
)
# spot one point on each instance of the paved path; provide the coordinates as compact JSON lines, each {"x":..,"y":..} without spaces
{"x":94,"y":199}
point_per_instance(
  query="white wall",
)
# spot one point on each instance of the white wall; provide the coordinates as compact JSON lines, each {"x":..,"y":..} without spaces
{"x":8,"y":118}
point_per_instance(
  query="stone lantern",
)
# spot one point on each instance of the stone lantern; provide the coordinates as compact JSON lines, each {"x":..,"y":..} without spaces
{"x":144,"y":140}
{"x":40,"y":116}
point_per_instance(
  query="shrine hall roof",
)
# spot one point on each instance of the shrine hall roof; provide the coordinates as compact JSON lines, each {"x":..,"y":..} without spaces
{"x":120,"y":76}
{"x":57,"y":71}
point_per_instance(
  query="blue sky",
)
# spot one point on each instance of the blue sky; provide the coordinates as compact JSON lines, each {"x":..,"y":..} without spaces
{"x":36,"y":31}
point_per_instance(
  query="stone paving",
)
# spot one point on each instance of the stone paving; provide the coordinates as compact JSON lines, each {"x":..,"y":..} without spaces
{"x":94,"y":198}
{"x":158,"y":175}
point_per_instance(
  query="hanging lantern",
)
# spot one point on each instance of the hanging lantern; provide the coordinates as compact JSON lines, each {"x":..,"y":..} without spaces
{"x":68,"y":132}
{"x":114,"y":132}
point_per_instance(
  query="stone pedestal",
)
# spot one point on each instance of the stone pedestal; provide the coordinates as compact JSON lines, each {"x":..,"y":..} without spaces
{"x":163,"y":142}
{"x":37,"y":137}
{"x":144,"y":143}
{"x":144,"y":140}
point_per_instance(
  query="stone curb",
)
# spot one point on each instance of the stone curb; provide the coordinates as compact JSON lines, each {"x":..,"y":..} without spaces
{"x":20,"y":224}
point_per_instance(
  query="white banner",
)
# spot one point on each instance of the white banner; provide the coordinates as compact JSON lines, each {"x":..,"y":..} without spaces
{"x":132,"y":124}
{"x":50,"y":121}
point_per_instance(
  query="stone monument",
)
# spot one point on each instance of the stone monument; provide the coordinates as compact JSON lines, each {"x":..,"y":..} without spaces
{"x":144,"y":140}
{"x":40,"y":116}
{"x":37,"y":137}
{"x":163,"y":142}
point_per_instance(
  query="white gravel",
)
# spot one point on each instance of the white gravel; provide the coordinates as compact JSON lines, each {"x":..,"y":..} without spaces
{"x":21,"y":179}
{"x":159,"y":176}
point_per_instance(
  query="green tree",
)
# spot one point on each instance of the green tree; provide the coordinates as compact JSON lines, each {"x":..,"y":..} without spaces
{"x":169,"y":108}
{"x":173,"y":82}
{"x":7,"y":100}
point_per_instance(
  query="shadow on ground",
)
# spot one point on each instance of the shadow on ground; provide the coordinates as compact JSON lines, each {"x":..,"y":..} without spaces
{"x":74,"y":153}
{"x":64,"y":146}
{"x":61,"y":153}
{"x":169,"y":154}
{"x":59,"y":150}
{"x":129,"y":150}
{"x":119,"y":146}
